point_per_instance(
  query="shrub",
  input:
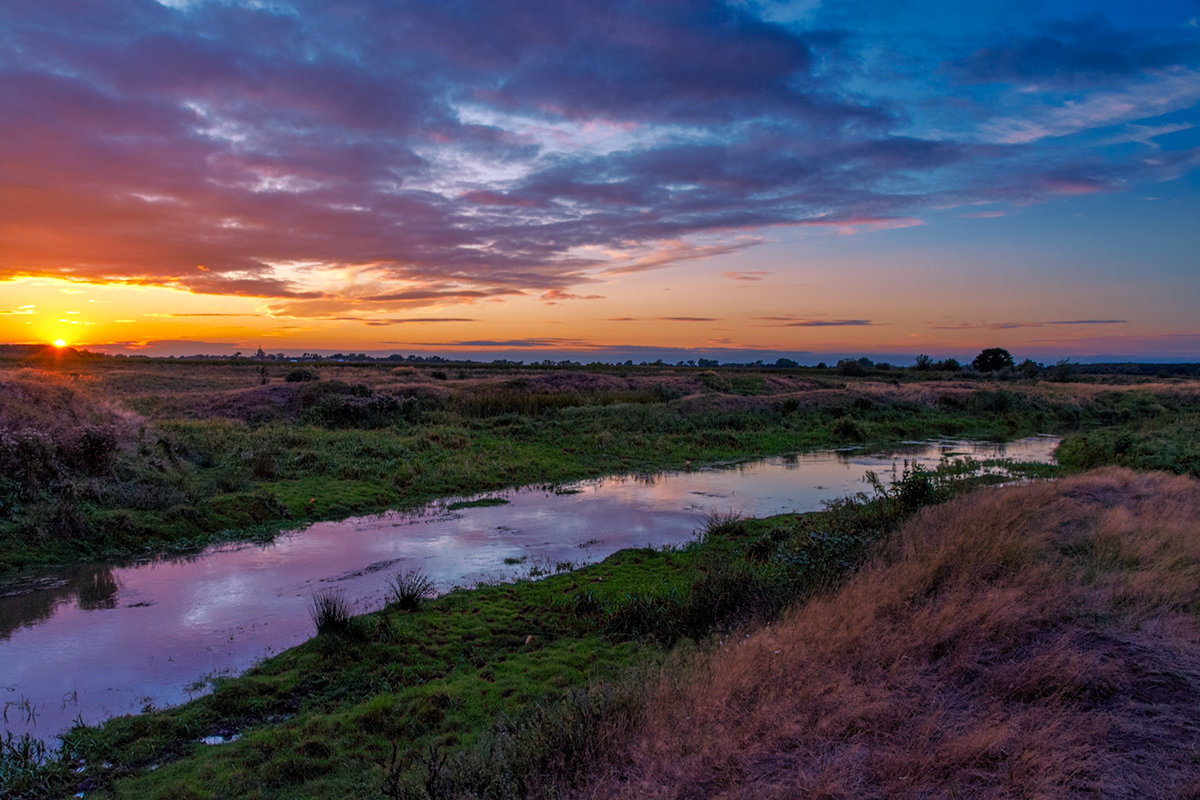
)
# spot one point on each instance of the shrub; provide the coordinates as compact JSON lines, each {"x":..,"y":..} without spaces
{"x":302,"y":375}
{"x":355,"y":411}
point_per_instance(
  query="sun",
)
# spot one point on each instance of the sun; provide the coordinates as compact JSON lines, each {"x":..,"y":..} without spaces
{"x":60,"y":342}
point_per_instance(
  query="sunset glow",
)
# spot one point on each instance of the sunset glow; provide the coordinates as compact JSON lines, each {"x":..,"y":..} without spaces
{"x":602,"y":181}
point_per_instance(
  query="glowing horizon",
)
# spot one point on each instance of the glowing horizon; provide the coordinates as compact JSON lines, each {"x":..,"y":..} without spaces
{"x":697,"y":177}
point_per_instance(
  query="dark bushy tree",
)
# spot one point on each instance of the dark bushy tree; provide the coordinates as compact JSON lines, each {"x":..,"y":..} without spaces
{"x":993,"y":359}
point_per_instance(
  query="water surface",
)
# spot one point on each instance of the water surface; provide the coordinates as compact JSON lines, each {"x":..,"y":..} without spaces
{"x":102,"y":640}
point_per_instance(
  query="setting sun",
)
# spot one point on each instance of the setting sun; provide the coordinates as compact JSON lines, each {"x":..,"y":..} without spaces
{"x":60,"y":342}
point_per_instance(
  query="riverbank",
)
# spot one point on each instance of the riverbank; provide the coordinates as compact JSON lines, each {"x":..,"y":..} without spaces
{"x":106,"y":458}
{"x":1033,"y":641}
{"x":160,"y":625}
{"x":581,"y":684}
{"x":374,"y":701}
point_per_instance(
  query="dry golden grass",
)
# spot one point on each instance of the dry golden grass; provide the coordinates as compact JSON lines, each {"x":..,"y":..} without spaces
{"x":1039,"y":641}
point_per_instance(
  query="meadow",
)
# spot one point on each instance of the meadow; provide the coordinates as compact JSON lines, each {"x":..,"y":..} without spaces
{"x":935,"y":638}
{"x":109,"y":457}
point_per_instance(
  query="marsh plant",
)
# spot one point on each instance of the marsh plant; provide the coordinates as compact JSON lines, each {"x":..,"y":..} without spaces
{"x":409,"y":589}
{"x":330,"y":612}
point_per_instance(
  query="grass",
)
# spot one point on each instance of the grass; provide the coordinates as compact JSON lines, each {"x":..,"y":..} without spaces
{"x":330,"y":612}
{"x":408,"y":590}
{"x":1032,"y":641}
{"x":115,"y":457}
{"x":499,"y":679}
{"x":516,"y":690}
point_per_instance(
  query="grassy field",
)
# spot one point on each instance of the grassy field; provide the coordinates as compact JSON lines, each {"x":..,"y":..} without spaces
{"x":504,"y":678}
{"x":975,"y":618}
{"x":1035,"y":641}
{"x":104,"y":457}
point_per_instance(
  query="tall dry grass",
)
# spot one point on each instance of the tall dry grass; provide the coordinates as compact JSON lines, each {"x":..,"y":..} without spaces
{"x":1038,"y":641}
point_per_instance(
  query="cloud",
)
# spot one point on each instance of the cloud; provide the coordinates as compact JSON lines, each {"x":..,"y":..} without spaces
{"x":456,"y":153}
{"x":662,"y":319}
{"x":384,"y":321}
{"x":745,"y":275}
{"x":554,"y":296}
{"x":1151,"y":95}
{"x":792,"y":322}
{"x":962,"y":326}
{"x":554,"y":343}
{"x":1076,"y":53}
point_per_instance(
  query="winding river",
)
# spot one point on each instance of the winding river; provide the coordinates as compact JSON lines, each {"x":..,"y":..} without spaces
{"x":102,"y":640}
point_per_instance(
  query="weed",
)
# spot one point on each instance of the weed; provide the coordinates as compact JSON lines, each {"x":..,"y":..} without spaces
{"x":409,"y":589}
{"x":330,"y":612}
{"x":719,"y":523}
{"x":28,"y":768}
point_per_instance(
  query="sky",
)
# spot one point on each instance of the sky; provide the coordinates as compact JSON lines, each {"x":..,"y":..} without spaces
{"x":602,"y":180}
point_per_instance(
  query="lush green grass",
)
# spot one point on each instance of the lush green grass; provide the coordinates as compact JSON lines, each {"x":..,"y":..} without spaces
{"x":1167,"y":440}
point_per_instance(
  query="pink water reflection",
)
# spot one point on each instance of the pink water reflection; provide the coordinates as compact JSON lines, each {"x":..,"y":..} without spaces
{"x":102,"y":640}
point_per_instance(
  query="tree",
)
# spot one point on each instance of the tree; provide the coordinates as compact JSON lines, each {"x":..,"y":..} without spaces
{"x":923,"y":363}
{"x":948,"y":365}
{"x":993,"y":359}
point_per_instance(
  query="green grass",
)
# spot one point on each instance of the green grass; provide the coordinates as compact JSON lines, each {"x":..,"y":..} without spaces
{"x":189,"y":475}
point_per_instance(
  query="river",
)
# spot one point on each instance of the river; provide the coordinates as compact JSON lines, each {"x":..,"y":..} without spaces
{"x":101,"y":640}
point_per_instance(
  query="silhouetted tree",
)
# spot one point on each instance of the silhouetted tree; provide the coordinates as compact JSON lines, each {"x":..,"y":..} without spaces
{"x":993,"y":359}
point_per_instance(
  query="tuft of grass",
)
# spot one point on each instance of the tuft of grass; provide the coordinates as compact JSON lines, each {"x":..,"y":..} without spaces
{"x":408,"y":590}
{"x":330,"y":612}
{"x":28,"y":768}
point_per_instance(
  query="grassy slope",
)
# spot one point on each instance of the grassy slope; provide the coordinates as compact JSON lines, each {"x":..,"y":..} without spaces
{"x":1034,"y":641}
